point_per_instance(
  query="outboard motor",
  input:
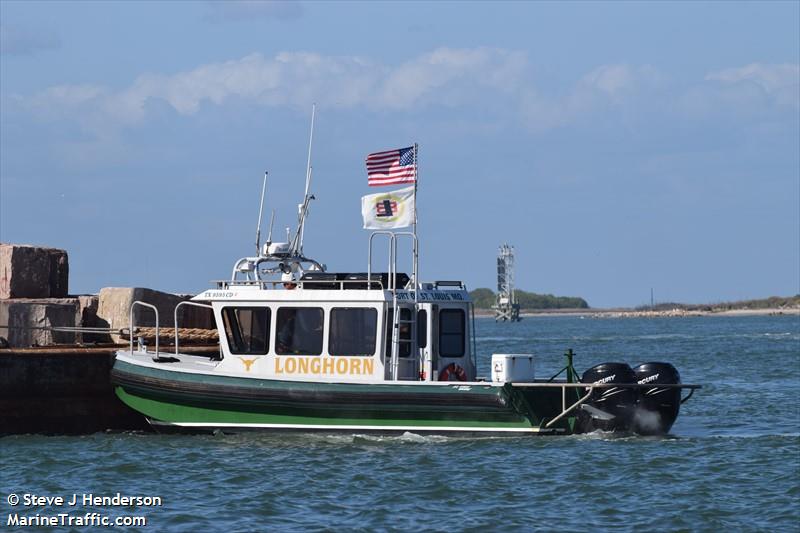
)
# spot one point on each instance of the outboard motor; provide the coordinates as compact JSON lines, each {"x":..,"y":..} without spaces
{"x":658,"y":407}
{"x":608,"y":409}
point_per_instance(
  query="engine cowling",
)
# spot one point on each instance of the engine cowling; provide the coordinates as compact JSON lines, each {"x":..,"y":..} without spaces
{"x":608,"y":408}
{"x":657,"y":407}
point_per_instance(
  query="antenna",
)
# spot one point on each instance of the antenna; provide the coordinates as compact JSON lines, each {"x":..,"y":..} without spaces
{"x":271,"y":222}
{"x":305,"y":212}
{"x":310,"y":141}
{"x":297,"y":243}
{"x":260,"y":211}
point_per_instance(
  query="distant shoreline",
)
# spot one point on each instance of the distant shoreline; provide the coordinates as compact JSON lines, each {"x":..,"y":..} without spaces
{"x":633,"y":313}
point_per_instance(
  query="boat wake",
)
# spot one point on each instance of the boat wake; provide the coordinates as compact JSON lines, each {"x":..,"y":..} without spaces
{"x":407,"y":437}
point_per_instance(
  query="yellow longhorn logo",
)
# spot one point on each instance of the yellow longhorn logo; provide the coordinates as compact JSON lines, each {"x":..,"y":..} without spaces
{"x":247,"y":363}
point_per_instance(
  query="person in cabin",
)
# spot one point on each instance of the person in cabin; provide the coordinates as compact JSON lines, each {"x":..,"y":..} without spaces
{"x":299,"y":331}
{"x":288,"y":281}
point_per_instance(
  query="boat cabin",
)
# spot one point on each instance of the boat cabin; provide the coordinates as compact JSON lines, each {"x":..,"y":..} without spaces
{"x":344,"y":327}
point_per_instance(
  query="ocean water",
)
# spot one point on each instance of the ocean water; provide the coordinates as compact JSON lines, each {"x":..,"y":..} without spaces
{"x":732,"y":461}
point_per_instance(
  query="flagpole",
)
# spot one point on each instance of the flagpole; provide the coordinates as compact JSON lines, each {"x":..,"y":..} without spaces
{"x":416,"y":247}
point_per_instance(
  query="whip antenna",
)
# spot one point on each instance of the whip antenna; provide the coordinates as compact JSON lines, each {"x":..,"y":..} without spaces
{"x":297,"y":243}
{"x":260,"y":211}
{"x":271,"y":223}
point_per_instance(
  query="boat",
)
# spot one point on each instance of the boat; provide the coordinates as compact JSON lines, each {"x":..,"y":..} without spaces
{"x":374,"y":353}
{"x":305,"y":349}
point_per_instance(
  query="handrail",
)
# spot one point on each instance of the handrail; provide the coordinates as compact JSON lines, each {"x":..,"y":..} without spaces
{"x":691,"y":391}
{"x":393,"y":235}
{"x":175,"y":313}
{"x":342,"y":282}
{"x":130,"y":323}
{"x":474,"y":358}
{"x":392,"y":282}
{"x":251,"y":264}
{"x":415,"y":258}
{"x":572,"y":407}
{"x":591,"y":386}
{"x":265,"y":284}
{"x":392,"y":256}
{"x":392,"y":286}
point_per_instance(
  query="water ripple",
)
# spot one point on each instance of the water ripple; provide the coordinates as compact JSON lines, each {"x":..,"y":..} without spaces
{"x":732,"y":461}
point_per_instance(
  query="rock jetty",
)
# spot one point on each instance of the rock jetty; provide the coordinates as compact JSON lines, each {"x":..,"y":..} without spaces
{"x":35,"y":299}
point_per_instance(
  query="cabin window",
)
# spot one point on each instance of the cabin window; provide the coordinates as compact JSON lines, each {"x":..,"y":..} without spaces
{"x":451,"y":333}
{"x":352,"y":331}
{"x":405,"y":333}
{"x":422,"y":328}
{"x":247,"y":329}
{"x":299,"y":331}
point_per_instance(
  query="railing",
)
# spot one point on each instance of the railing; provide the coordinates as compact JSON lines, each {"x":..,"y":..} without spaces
{"x":566,"y":410}
{"x":393,"y":257}
{"x":592,"y":386}
{"x":396,"y":317}
{"x":130,"y":324}
{"x":340,"y":284}
{"x":262,"y":284}
{"x":474,"y":354}
{"x":186,"y":302}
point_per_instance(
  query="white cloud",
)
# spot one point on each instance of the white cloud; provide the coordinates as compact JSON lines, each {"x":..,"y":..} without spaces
{"x":453,"y":72}
{"x":298,"y":79}
{"x":604,"y":86}
{"x":780,"y":82}
{"x":492,"y":79}
{"x":614,"y":79}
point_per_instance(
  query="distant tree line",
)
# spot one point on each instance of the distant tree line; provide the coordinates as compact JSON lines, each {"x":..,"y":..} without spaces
{"x":486,"y":298}
{"x":773,"y":302}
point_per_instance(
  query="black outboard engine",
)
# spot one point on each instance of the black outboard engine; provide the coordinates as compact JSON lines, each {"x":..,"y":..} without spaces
{"x":608,"y":409}
{"x":658,"y":407}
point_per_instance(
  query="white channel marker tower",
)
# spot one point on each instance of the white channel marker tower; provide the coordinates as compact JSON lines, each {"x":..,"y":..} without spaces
{"x":506,"y":307}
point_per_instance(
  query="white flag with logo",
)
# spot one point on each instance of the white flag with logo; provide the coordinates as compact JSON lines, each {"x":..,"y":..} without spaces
{"x":388,"y":210}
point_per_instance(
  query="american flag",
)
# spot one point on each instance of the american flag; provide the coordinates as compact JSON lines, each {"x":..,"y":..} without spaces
{"x":391,"y":167}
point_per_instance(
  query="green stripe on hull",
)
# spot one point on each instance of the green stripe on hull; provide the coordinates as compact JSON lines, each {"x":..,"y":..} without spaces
{"x":175,"y":397}
{"x":174,"y":413}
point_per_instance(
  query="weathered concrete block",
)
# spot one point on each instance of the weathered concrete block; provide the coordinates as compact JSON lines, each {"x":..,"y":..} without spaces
{"x":25,"y":317}
{"x":87,"y":311}
{"x":87,"y":318}
{"x":33,"y":272}
{"x":115,"y":302}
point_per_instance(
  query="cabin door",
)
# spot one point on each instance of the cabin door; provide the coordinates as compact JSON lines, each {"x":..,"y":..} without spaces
{"x":408,"y":357}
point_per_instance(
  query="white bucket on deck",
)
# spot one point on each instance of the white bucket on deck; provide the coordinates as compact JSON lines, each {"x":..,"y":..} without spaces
{"x":512,"y":367}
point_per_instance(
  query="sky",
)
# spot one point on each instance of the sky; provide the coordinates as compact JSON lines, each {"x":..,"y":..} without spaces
{"x":619,"y":146}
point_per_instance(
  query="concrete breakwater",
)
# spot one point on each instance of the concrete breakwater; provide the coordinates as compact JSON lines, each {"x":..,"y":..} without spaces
{"x":60,"y":390}
{"x":57,"y":349}
{"x":64,"y":390}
